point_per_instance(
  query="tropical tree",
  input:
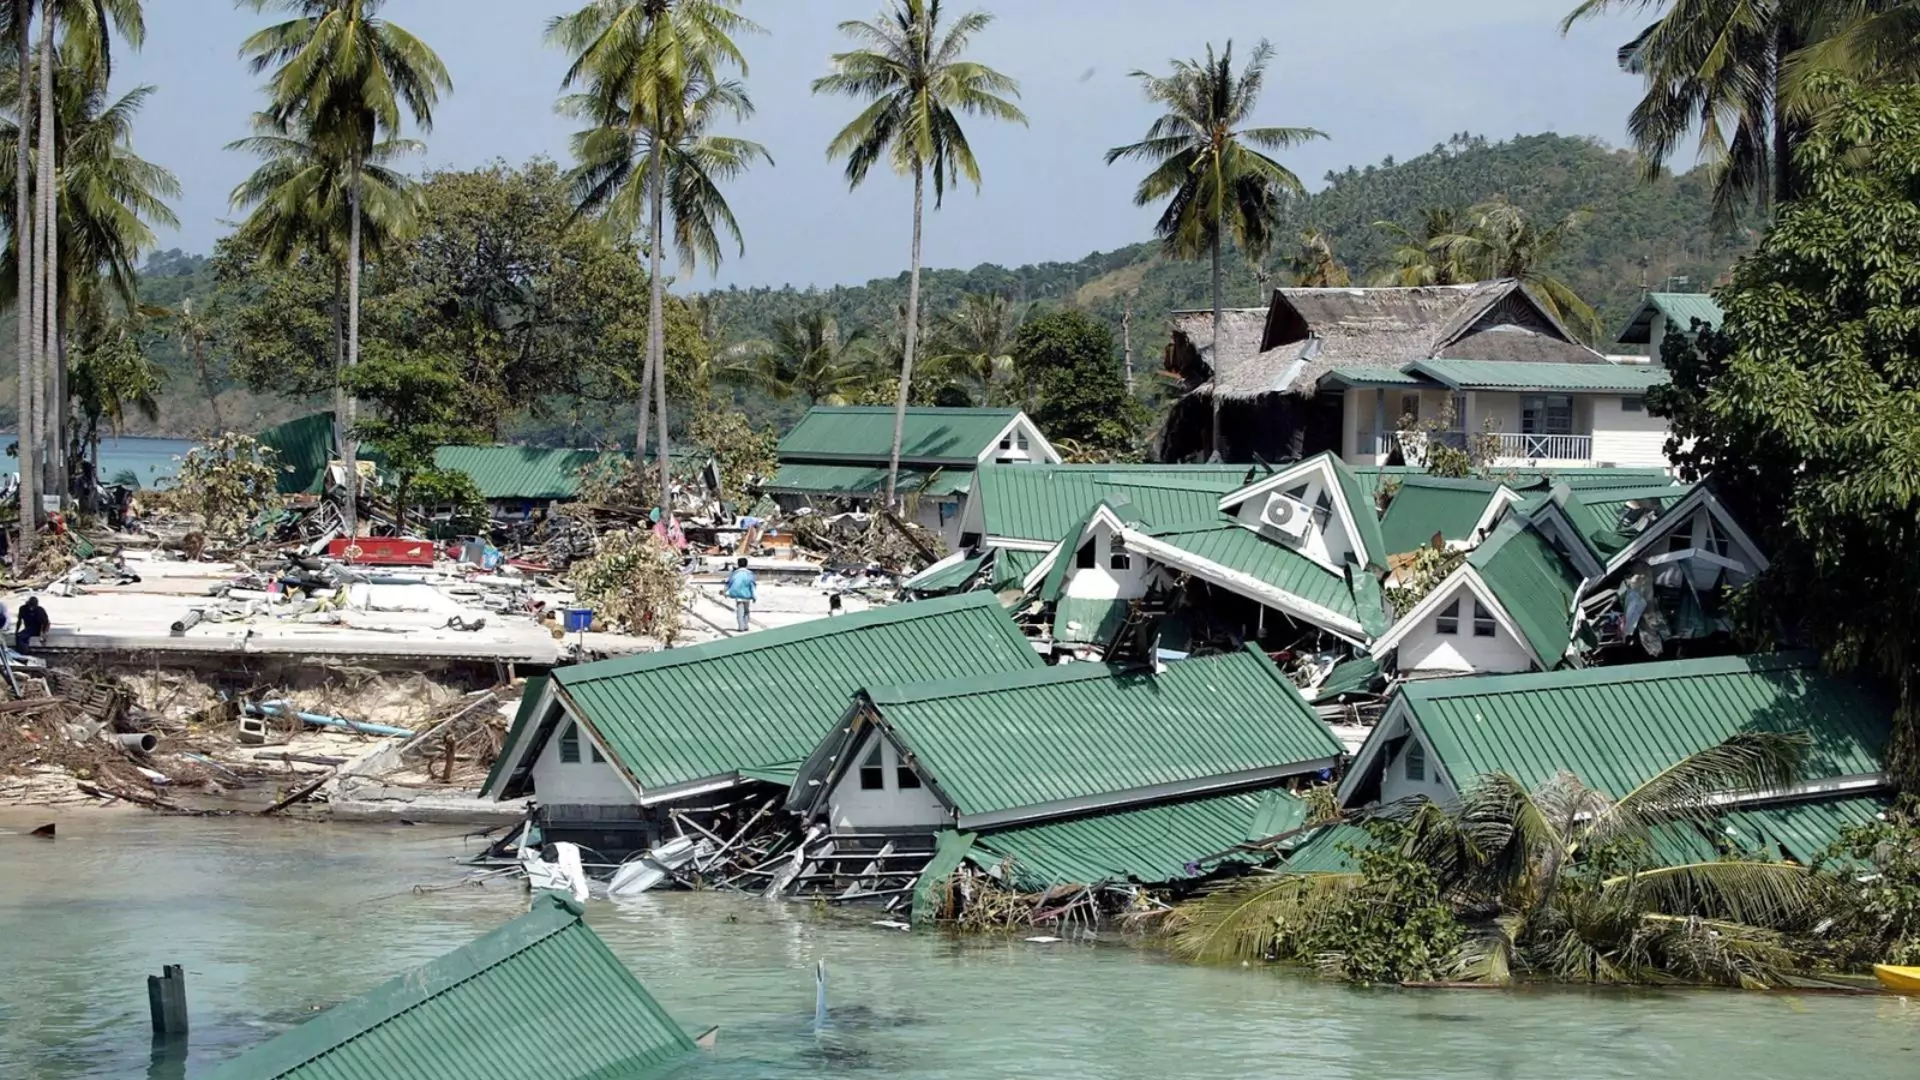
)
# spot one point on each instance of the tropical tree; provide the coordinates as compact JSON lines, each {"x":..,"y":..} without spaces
{"x":1210,"y":168}
{"x":24,"y":254}
{"x":346,"y":76}
{"x":1502,"y":241}
{"x":112,"y":375}
{"x":192,"y":330}
{"x":912,"y":70}
{"x":1314,"y":265}
{"x":974,"y":342}
{"x":1426,"y":257}
{"x":809,"y":357}
{"x":1558,"y":881}
{"x":300,"y":203}
{"x":653,"y":87}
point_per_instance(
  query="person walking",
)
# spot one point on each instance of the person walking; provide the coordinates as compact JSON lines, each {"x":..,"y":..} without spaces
{"x":740,"y":589}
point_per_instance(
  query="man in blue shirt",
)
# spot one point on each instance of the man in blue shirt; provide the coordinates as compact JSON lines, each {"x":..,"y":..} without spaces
{"x":740,"y":590}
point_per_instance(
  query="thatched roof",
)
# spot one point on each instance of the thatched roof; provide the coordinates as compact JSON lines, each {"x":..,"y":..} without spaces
{"x":1306,"y":332}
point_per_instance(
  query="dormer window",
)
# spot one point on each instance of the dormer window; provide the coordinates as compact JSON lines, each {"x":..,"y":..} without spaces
{"x":1448,"y":621}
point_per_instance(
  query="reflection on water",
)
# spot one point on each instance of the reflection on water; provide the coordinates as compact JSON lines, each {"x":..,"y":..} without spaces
{"x":276,"y":920}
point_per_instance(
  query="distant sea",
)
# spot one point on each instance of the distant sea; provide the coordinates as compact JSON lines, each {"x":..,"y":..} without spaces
{"x":150,"y":460}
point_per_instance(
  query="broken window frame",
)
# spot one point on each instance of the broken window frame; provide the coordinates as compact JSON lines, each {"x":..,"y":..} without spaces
{"x":906,"y":778}
{"x":1447,"y":621}
{"x":1087,"y":557}
{"x":873,"y":769}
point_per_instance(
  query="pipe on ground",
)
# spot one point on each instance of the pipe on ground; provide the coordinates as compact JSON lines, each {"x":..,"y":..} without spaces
{"x":141,"y":743}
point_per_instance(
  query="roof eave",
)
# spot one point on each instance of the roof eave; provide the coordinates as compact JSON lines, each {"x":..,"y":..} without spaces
{"x":1139,"y":796}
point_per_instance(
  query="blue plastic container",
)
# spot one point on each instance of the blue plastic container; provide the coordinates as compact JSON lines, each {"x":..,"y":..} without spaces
{"x":579,"y":619}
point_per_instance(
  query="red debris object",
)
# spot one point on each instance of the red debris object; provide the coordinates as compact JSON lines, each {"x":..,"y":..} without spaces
{"x":382,"y":551}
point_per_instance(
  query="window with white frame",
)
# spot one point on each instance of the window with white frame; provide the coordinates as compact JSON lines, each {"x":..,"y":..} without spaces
{"x":1716,"y":538}
{"x":1448,"y":621}
{"x":1546,"y":414}
{"x":1483,"y":624}
{"x":873,"y":771}
{"x":570,"y":744}
{"x":1416,"y":761}
{"x":1633,"y":404}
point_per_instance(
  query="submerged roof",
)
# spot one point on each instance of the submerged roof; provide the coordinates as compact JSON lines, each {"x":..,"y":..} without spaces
{"x":1533,"y":583}
{"x":303,"y":448}
{"x":522,"y":472}
{"x":1679,"y":308}
{"x":1798,"y":831}
{"x":1042,"y":502}
{"x":1617,"y":727}
{"x":1425,"y":505}
{"x":864,"y":434}
{"x":761,"y":699}
{"x":541,"y":998}
{"x":1148,"y":845}
{"x":1078,"y":737}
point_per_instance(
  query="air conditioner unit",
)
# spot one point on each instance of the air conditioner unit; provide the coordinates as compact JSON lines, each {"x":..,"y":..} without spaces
{"x":1287,"y":516}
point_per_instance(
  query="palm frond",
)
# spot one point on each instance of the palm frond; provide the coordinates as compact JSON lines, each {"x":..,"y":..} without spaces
{"x":1238,"y":921}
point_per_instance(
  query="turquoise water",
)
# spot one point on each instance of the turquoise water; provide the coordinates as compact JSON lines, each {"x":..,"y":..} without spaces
{"x":151,"y":460}
{"x":273,"y":920}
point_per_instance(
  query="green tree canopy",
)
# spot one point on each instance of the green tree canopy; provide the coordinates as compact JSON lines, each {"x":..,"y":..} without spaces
{"x":1070,"y":366}
{"x":1802,"y":407}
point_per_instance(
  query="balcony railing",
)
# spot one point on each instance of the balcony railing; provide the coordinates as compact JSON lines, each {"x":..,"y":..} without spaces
{"x":1505,"y":444}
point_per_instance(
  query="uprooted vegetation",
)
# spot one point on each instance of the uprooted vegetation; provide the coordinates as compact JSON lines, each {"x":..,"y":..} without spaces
{"x":633,"y":580}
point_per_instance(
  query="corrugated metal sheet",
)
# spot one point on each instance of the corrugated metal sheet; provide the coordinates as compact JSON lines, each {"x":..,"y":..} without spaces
{"x":1505,"y":375}
{"x":1327,"y":850}
{"x":1078,"y":621}
{"x":865,"y":434}
{"x":521,"y":472}
{"x":1042,"y":502}
{"x":1371,"y":477}
{"x":1238,"y":548}
{"x":1003,"y":742}
{"x":1372,"y":375}
{"x":1148,"y":845}
{"x":1797,"y":831}
{"x":1617,"y":727}
{"x":803,"y":478}
{"x":1366,"y":516}
{"x":526,"y":714}
{"x":947,"y":578}
{"x":950,"y":849}
{"x":1679,"y":308}
{"x":1425,"y":505}
{"x":541,"y":998}
{"x":767,"y":698}
{"x":1010,"y":567}
{"x":1599,"y":514}
{"x":304,"y":448}
{"x":1533,"y":582}
{"x":1347,"y":677}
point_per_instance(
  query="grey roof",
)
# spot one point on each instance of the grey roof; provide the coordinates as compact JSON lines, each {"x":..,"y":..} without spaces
{"x":1306,"y":333}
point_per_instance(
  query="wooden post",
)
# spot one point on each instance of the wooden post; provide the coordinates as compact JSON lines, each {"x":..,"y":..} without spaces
{"x":167,"y":998}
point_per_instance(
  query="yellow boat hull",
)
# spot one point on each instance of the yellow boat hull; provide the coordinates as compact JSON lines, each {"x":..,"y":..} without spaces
{"x":1901,"y":980}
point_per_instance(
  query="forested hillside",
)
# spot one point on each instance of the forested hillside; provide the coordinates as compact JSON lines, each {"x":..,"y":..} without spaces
{"x":1636,"y":232}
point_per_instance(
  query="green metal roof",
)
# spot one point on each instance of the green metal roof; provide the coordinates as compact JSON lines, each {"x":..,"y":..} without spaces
{"x":1078,"y":731}
{"x":1533,"y":583}
{"x":1322,"y":851}
{"x":1371,"y":375}
{"x":1617,"y":727}
{"x":1011,"y":567}
{"x":1425,"y":505}
{"x":946,"y":579}
{"x":1502,"y":375}
{"x":541,"y":998}
{"x":1360,"y":503}
{"x":762,"y":699}
{"x":865,"y":434}
{"x":527,"y":713}
{"x":304,"y":447}
{"x":1679,"y":308}
{"x":1149,"y":845}
{"x":1796,"y":831}
{"x":1235,"y":547}
{"x":1599,"y":514}
{"x":1078,"y":621}
{"x":1347,"y":677}
{"x":804,"y":478}
{"x":1371,"y":477}
{"x":1042,"y":502}
{"x":521,"y":472}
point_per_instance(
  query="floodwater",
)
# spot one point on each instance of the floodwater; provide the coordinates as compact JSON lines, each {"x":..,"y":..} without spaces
{"x":151,"y":461}
{"x":274,"y":920}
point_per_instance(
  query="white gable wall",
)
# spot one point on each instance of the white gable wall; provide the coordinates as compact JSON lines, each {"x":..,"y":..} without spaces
{"x":1627,"y":439}
{"x":1102,"y":581}
{"x":583,"y":783}
{"x":1395,"y":784}
{"x":1425,"y":651}
{"x":852,"y":808}
{"x":1327,"y":542}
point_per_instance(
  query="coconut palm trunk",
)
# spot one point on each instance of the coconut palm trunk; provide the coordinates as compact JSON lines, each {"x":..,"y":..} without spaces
{"x":1219,"y":443}
{"x":911,"y":340}
{"x":656,"y":315}
{"x":48,"y":273}
{"x":25,"y":311}
{"x":346,"y":418}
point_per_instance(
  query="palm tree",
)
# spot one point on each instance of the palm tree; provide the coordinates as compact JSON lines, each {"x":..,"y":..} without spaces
{"x":1501,"y":241}
{"x":21,"y":237}
{"x":1210,"y":169}
{"x":974,"y":342}
{"x":618,"y":160}
{"x":192,"y":330}
{"x":912,"y":71}
{"x":809,"y":357}
{"x":300,"y":203}
{"x":651,"y":69}
{"x":345,"y":75}
{"x":1426,"y":257}
{"x":111,"y":375}
{"x":1556,"y":879}
{"x":1314,"y":266}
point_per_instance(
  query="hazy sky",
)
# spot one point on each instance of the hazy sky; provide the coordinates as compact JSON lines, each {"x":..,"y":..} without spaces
{"x":1379,"y":76}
